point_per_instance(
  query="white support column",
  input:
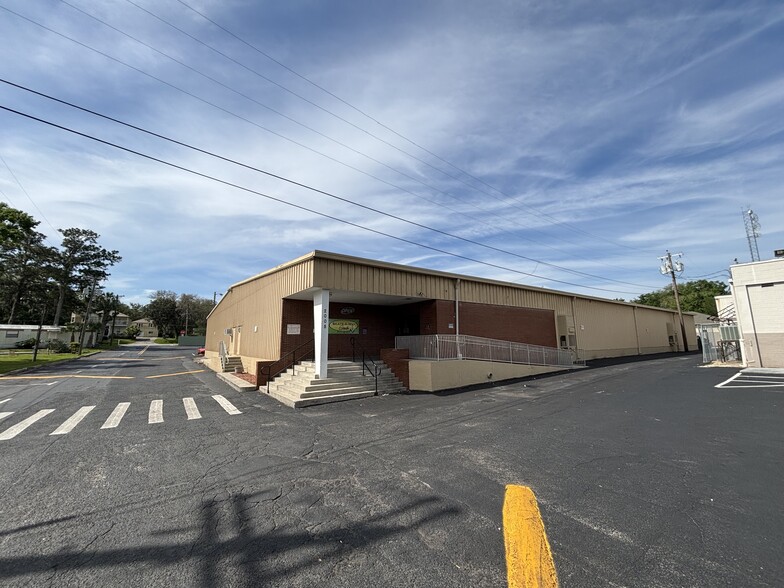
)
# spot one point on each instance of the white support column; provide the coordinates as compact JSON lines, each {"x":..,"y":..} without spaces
{"x":320,"y":331}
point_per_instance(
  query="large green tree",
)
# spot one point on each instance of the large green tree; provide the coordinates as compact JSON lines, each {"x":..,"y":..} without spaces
{"x":192,"y":311}
{"x":25,"y":267}
{"x":695,"y":296}
{"x":162,"y":309}
{"x":80,"y":263}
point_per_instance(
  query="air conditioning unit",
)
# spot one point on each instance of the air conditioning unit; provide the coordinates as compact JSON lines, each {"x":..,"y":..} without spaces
{"x":227,"y":331}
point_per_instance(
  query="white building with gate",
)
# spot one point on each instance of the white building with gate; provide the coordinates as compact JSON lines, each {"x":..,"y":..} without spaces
{"x":758,"y":296}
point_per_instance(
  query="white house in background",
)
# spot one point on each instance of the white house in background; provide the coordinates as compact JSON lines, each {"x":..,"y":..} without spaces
{"x":758,"y":297}
{"x":121,"y":321}
{"x":10,"y":335}
{"x":77,"y":318}
{"x":147,"y":328}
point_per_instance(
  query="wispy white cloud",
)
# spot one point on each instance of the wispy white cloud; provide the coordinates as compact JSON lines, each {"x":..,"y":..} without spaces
{"x":647,"y":126}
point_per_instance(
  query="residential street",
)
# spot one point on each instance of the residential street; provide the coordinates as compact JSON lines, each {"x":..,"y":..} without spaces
{"x":647,"y":474}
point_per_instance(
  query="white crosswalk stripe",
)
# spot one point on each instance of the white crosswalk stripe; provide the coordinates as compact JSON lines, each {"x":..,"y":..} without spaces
{"x":74,"y":420}
{"x":156,"y":412}
{"x":12,"y":432}
{"x":191,"y":409}
{"x":117,"y":414}
{"x":227,"y":406}
{"x":155,"y":415}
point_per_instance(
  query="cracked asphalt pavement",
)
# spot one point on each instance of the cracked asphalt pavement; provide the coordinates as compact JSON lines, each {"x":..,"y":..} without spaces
{"x":646,"y":475}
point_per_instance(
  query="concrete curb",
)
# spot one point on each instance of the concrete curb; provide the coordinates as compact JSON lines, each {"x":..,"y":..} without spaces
{"x":238,"y":384}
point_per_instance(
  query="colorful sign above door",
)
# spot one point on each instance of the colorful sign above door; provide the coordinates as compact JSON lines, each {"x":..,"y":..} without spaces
{"x":343,"y":327}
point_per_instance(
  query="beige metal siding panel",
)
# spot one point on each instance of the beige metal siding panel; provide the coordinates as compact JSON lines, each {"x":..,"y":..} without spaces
{"x":604,"y":326}
{"x":652,"y":327}
{"x":256,"y":306}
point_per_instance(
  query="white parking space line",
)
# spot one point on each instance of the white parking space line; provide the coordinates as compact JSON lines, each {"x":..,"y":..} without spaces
{"x":191,"y":409}
{"x":762,"y":377}
{"x":156,"y":412}
{"x":226,"y":405}
{"x":753,"y":380}
{"x":21,"y":426}
{"x":72,"y":421}
{"x":5,"y":414}
{"x":117,"y":414}
{"x":754,"y":385}
{"x":727,"y":381}
{"x":4,"y":400}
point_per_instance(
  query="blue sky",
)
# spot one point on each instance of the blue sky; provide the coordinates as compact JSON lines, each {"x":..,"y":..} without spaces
{"x":590,"y":135}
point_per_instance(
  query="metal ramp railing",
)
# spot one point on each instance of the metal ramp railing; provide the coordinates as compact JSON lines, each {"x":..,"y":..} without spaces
{"x":449,"y":347}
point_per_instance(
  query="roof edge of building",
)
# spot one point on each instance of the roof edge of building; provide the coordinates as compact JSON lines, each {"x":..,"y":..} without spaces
{"x":329,"y":255}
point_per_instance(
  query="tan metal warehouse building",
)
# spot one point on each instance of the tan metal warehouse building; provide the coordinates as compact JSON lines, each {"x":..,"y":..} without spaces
{"x":370,"y":303}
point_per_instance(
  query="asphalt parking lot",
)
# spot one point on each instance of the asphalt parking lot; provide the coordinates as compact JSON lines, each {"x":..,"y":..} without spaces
{"x":647,"y":474}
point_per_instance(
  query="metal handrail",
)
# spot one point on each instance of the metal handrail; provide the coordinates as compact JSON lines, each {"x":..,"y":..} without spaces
{"x":224,"y":354}
{"x":365,"y":358}
{"x":267,"y":372}
{"x":451,"y":347}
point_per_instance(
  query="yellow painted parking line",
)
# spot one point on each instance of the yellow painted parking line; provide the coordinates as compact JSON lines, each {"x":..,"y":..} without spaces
{"x":177,"y":374}
{"x":63,"y":376}
{"x":529,"y":561}
{"x":143,"y":350}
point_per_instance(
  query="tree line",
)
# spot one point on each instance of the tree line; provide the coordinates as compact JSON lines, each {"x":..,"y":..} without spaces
{"x":46,"y":284}
{"x":695,"y":296}
{"x":39,"y":282}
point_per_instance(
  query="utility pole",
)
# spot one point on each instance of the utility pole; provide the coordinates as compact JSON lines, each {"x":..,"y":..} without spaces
{"x":670,"y":267}
{"x":215,"y":295}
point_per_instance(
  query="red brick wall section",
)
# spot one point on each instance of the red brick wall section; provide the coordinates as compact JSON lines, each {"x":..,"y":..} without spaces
{"x":397,"y":360}
{"x":261,"y":379}
{"x":296,"y":312}
{"x":378,"y":324}
{"x":508,"y":323}
{"x":376,"y":328}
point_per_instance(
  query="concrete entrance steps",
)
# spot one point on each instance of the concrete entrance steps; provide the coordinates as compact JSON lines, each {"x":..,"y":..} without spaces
{"x":232,"y":361}
{"x":298,"y":386}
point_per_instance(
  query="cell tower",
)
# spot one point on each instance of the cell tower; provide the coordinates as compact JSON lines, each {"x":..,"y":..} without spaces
{"x":752,"y":224}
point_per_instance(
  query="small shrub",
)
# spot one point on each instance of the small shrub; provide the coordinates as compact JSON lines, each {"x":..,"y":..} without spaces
{"x":73,"y":347}
{"x":57,"y":346}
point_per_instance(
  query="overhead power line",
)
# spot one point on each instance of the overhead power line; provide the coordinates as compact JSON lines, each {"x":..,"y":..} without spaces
{"x":26,"y":193}
{"x":315,"y":131}
{"x":541,"y":214}
{"x":298,"y":206}
{"x":268,"y":130}
{"x":545,"y":216}
{"x":313,"y":189}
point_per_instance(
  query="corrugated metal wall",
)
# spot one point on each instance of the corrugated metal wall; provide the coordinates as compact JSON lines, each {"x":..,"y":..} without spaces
{"x":340,"y":275}
{"x":256,"y":306}
{"x":603,"y":328}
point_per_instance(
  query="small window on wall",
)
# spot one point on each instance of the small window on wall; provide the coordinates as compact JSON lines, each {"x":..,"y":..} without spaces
{"x":12,"y":334}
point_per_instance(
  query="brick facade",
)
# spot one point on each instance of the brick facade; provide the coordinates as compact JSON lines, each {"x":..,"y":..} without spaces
{"x":378,"y":325}
{"x":397,"y":360}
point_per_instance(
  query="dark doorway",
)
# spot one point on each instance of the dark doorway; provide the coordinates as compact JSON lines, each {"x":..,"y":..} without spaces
{"x":407,"y":323}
